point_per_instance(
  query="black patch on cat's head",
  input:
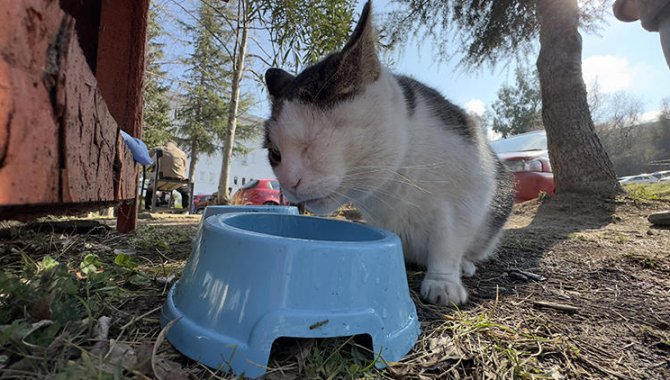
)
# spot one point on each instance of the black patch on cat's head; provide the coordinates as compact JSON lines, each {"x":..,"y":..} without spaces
{"x":452,"y":116}
{"x":337,"y":77}
{"x":277,"y":80}
{"x":407,"y":85}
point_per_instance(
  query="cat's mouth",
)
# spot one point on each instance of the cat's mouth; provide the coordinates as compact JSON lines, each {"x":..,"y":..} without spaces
{"x":323,"y":205}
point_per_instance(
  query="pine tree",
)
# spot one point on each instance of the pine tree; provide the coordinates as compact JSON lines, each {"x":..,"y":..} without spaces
{"x":156,"y":113}
{"x":202,"y":113}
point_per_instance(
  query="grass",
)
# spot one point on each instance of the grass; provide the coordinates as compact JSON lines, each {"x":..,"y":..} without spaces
{"x":55,"y":289}
{"x":580,"y":237}
{"x":648,"y":191}
{"x":644,"y":261}
{"x":482,"y":343}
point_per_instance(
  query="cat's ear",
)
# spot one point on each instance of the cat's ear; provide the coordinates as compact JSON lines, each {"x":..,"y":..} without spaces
{"x":360,"y":53}
{"x":276,"y":80}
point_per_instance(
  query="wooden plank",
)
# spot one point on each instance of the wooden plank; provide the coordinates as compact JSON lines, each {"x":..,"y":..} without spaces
{"x":89,"y":132}
{"x":125,"y":168}
{"x":59,"y":144}
{"x":87,"y":16}
{"x":29,"y":153}
{"x":120,"y":73}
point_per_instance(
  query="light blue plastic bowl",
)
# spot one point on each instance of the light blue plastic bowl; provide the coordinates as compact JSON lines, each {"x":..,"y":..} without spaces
{"x":217,"y":210}
{"x":256,"y":277}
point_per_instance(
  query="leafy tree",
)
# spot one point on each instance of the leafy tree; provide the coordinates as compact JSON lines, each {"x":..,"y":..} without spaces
{"x":156,"y":113}
{"x":665,"y":110}
{"x":622,"y":112}
{"x":518,"y":108}
{"x":202,"y":113}
{"x":301,"y":32}
{"x":663,"y":140}
{"x":488,"y":31}
{"x":633,"y":145}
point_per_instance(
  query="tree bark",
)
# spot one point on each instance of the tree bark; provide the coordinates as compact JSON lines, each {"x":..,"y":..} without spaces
{"x":193,"y":161}
{"x":238,"y":71}
{"x":579,"y":161}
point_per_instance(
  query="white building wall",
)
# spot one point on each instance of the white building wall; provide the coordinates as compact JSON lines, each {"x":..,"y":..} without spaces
{"x":253,"y":165}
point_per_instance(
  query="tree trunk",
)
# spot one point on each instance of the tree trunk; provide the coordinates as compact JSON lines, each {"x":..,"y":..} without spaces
{"x":193,"y":161}
{"x":579,"y":161}
{"x":238,"y":71}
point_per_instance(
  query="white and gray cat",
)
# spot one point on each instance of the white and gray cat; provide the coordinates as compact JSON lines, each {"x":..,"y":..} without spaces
{"x":347,"y":130}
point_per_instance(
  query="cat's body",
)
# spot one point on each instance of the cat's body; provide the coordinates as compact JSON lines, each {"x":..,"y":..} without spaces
{"x":347,"y":130}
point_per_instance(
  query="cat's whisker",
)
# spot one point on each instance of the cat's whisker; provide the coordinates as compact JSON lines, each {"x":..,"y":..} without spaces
{"x":404,"y":180}
{"x":365,"y":210}
{"x":378,"y":193}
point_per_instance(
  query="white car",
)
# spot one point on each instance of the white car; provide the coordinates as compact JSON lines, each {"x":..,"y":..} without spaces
{"x":664,"y":179}
{"x":661,"y":174}
{"x":641,"y":178}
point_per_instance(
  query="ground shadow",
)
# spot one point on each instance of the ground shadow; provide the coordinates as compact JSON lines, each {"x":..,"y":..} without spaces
{"x":534,"y":229}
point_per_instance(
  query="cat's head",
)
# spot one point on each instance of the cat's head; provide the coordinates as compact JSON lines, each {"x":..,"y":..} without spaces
{"x":325,"y":134}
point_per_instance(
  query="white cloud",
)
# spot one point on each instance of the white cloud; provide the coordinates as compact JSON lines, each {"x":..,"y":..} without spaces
{"x":475,"y":106}
{"x":649,"y":116}
{"x":612,"y":73}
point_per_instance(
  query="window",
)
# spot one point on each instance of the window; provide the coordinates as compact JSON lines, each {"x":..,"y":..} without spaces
{"x":235,"y":180}
{"x":244,"y":180}
{"x":251,"y":184}
{"x":274,"y":185}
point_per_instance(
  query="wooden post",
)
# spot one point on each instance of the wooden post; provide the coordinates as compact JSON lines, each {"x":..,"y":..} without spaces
{"x":120,"y":74}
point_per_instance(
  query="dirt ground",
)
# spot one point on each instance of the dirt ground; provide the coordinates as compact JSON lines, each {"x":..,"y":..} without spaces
{"x":578,"y":290}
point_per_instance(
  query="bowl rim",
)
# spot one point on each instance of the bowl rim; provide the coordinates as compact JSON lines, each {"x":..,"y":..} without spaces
{"x":386,"y":237}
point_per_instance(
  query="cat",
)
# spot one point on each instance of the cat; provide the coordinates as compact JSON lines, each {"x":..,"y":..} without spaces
{"x":346,"y":130}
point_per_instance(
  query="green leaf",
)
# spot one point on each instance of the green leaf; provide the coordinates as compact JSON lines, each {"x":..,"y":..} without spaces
{"x":91,"y":264}
{"x":125,"y":261}
{"x":46,"y":264}
{"x":43,"y":336}
{"x":14,"y":332}
{"x":140,"y":280}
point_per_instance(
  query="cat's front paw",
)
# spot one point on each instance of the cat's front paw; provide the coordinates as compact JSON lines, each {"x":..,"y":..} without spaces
{"x":468,"y":268}
{"x":443,"y":290}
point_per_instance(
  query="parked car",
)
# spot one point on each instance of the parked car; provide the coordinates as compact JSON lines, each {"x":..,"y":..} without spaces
{"x":259,"y":192}
{"x":664,"y":179}
{"x":200,"y":201}
{"x":661,"y":174}
{"x":527,"y":157}
{"x":640,"y":178}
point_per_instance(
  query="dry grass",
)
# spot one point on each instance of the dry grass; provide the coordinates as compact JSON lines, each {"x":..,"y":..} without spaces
{"x":594,"y":303}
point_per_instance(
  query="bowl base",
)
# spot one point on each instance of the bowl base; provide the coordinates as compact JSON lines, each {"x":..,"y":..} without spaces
{"x":250,"y":358}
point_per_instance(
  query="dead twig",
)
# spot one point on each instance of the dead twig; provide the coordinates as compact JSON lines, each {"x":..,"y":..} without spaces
{"x":556,"y":306}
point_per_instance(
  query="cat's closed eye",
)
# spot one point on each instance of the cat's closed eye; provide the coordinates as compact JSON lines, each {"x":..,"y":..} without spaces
{"x":275,"y":157}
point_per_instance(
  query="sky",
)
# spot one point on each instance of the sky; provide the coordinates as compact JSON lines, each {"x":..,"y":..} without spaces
{"x":620,"y":56}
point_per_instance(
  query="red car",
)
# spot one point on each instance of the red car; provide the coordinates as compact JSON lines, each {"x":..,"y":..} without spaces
{"x":200,"y":201}
{"x":259,"y":192}
{"x":526,"y":156}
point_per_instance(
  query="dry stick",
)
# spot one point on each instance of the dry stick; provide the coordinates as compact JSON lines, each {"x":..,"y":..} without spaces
{"x":603,"y":370}
{"x":159,"y":341}
{"x":135,"y":319}
{"x":556,"y":306}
